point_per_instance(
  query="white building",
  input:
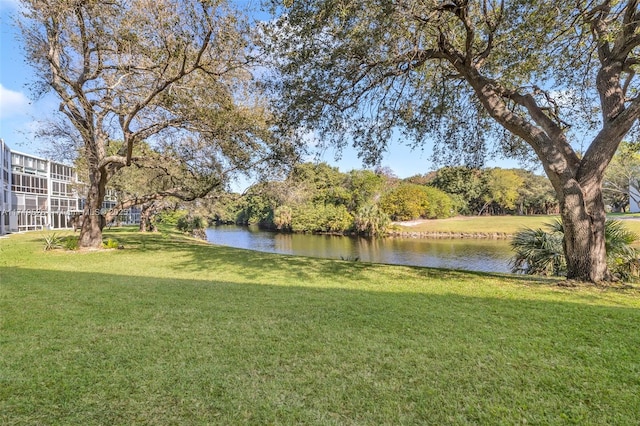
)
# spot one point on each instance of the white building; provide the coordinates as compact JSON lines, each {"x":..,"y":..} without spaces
{"x":5,"y":187}
{"x":43,"y":194}
{"x":37,"y":193}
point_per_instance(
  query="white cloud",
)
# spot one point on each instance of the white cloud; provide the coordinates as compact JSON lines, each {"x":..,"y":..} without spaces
{"x":12,"y":103}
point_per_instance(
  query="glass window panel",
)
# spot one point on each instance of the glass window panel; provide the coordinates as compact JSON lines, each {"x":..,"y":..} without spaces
{"x":30,"y":203}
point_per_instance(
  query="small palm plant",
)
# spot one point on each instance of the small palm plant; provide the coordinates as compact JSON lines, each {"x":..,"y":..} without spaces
{"x":52,"y":241}
{"x":371,"y":220}
{"x":540,"y":252}
{"x":622,"y":257}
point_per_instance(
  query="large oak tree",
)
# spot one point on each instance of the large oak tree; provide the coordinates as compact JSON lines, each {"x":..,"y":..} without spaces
{"x":558,"y":76}
{"x":163,"y":72}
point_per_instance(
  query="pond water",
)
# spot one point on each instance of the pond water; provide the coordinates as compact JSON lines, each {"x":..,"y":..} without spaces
{"x":470,"y":254}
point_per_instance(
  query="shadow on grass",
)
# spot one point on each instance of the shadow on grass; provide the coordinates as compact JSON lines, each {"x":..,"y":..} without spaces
{"x":97,"y":348}
{"x":204,"y":257}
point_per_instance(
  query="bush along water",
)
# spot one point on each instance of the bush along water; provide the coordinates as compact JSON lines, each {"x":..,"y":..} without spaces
{"x":194,"y":225}
{"x":540,"y":251}
{"x":371,"y":221}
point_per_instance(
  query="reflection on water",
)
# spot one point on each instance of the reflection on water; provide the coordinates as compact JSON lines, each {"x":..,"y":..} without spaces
{"x":469,"y":254}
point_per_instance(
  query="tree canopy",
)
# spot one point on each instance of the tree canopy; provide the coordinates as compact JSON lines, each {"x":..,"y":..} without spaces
{"x":174,"y":74}
{"x":537,"y":78}
{"x":321,"y":198}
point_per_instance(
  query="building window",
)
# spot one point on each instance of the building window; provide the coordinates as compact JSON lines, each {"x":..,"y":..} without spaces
{"x":27,"y":183}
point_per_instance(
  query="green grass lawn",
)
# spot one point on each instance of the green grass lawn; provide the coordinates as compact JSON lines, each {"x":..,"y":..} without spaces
{"x":173,"y":331}
{"x":501,"y":224}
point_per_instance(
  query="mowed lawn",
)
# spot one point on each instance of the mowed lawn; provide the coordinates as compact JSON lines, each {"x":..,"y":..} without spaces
{"x":174,"y":331}
{"x":499,"y":224}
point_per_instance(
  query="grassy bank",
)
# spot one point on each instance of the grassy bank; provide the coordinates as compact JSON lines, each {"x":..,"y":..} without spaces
{"x":497,"y":224}
{"x":172,"y":331}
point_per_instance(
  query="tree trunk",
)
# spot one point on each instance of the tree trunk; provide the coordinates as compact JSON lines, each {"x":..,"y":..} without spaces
{"x":147,"y":211}
{"x":583,"y":217}
{"x":143,"y":223}
{"x":93,"y":221}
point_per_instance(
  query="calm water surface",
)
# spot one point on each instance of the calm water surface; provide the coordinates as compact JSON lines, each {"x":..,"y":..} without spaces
{"x":469,"y":254}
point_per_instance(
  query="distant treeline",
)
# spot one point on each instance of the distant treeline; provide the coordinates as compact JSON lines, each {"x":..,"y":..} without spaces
{"x":320,"y":198}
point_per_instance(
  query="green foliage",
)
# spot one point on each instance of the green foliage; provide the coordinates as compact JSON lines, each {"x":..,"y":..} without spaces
{"x":224,"y":209}
{"x":535,"y":195}
{"x":363,"y":186}
{"x":52,"y":241}
{"x":496,"y":191}
{"x":410,"y":201}
{"x":439,"y":206}
{"x":321,"y":218}
{"x":371,"y":220}
{"x":502,"y":188}
{"x":623,"y":171}
{"x":171,"y":217}
{"x":183,"y":224}
{"x":405,"y":202}
{"x":278,"y":204}
{"x":313,"y":198}
{"x":110,"y":244}
{"x":540,"y":252}
{"x":460,"y":204}
{"x":175,"y":72}
{"x":428,"y":97}
{"x":198,"y":222}
{"x":71,"y":243}
{"x":257,"y":206}
{"x":534,"y":79}
{"x":282,"y":218}
{"x":190,"y":223}
{"x":465,"y":185}
{"x":622,"y":256}
{"x":421,"y":179}
{"x":511,"y":47}
{"x":322,"y":183}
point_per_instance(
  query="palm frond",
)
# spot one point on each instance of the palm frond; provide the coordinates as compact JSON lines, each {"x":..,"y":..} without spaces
{"x":540,"y":251}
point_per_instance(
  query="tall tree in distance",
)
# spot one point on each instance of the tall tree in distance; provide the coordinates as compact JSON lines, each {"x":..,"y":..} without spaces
{"x":534,"y":75}
{"x":159,"y":71}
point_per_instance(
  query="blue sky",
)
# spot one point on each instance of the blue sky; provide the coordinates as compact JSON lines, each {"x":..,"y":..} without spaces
{"x":19,"y":114}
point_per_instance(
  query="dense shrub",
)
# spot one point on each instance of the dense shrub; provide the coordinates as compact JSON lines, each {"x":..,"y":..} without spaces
{"x":370,"y":220}
{"x":410,"y":201}
{"x":439,"y":204}
{"x":190,"y":223}
{"x":71,"y":243}
{"x":110,"y":244}
{"x":257,"y":207}
{"x":282,"y":218}
{"x":171,"y":217}
{"x":320,"y":218}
